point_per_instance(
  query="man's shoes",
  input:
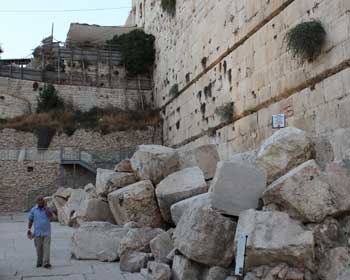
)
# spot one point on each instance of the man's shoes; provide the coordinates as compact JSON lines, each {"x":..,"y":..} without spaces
{"x":47,"y":265}
{"x":39,"y":265}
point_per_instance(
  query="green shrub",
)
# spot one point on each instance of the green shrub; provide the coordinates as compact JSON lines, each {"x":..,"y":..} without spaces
{"x":174,"y":91}
{"x":225,"y":111}
{"x":305,"y":40}
{"x":169,"y":6}
{"x":137,"y":50}
{"x":49,"y":100}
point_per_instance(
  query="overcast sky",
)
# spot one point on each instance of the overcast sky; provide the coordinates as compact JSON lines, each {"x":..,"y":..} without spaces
{"x":21,"y":31}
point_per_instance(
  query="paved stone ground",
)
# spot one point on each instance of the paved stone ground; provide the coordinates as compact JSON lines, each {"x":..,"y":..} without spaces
{"x":17,"y":256}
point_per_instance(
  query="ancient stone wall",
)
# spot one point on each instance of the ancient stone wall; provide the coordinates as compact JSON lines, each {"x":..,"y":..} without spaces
{"x":19,"y":178}
{"x":86,"y":140}
{"x":17,"y":97}
{"x":228,"y":52}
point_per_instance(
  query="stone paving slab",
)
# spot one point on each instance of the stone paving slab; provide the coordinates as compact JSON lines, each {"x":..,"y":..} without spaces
{"x":17,"y":256}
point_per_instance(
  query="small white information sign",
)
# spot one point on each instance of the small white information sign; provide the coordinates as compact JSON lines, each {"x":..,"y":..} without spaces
{"x":279,"y":121}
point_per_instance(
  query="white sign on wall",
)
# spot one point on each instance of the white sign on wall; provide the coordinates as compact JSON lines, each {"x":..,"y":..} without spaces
{"x":279,"y":121}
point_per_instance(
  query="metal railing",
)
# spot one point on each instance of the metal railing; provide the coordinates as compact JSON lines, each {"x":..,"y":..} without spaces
{"x":95,"y":159}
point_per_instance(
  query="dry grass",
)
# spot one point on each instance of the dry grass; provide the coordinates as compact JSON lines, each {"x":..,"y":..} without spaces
{"x":102,"y":120}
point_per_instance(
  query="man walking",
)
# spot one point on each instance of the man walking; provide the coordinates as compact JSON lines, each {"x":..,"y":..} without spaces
{"x":40,"y":216}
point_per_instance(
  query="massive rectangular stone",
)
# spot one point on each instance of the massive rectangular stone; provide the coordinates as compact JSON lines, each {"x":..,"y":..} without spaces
{"x":236,"y":187}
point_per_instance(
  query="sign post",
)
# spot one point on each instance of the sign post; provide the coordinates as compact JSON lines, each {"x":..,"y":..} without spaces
{"x":279,"y":121}
{"x":240,"y":255}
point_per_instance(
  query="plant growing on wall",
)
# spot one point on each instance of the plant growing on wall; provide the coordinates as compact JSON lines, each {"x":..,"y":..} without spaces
{"x":174,"y":91}
{"x":49,"y":100}
{"x":169,"y":6}
{"x":137,"y":50}
{"x":305,"y":40}
{"x":225,"y":111}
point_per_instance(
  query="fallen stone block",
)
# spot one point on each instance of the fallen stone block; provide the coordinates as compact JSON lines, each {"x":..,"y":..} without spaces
{"x":136,"y":203}
{"x":154,"y":162}
{"x":236,"y":187}
{"x":217,"y":273}
{"x":336,"y":264}
{"x":123,"y":166}
{"x":73,"y":204}
{"x":302,"y":194}
{"x":138,"y":239}
{"x":108,"y":181}
{"x":161,"y":246}
{"x":96,"y":239}
{"x":94,"y":209}
{"x":246,"y":157}
{"x":158,"y":271}
{"x":179,"y":186}
{"x":90,"y":189}
{"x":205,"y":236}
{"x":179,"y":208}
{"x":273,"y":237}
{"x":284,"y":150}
{"x":133,"y":261}
{"x":205,"y":157}
{"x":185,"y":269}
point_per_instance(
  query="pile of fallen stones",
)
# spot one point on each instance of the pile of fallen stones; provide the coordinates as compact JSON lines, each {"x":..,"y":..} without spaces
{"x":178,"y":214}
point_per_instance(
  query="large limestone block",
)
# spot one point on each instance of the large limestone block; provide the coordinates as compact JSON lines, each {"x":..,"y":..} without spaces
{"x":161,"y":246}
{"x":178,"y":209}
{"x":158,"y":271}
{"x":136,"y":203}
{"x":273,"y":237}
{"x":185,"y":269}
{"x":154,"y":162}
{"x":97,"y":238}
{"x":133,"y":261}
{"x":284,"y":150}
{"x":247,"y":157}
{"x":205,"y":236}
{"x":205,"y":157}
{"x":138,"y":239}
{"x":336,"y":264}
{"x":337,"y":175}
{"x":108,"y":181}
{"x":302,"y":194}
{"x":94,"y":209}
{"x":72,"y":206}
{"x":236,"y":187}
{"x":63,"y":193}
{"x":179,"y":186}
{"x":123,"y":166}
{"x":90,"y":189}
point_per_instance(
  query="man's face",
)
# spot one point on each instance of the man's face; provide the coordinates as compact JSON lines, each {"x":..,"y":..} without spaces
{"x":41,"y":202}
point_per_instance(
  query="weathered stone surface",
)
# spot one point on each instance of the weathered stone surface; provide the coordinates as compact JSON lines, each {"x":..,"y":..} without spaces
{"x":284,"y":150}
{"x":217,"y":273}
{"x":133,"y":261}
{"x":154,"y":162}
{"x":93,"y":239}
{"x":236,"y":187}
{"x":274,"y":237}
{"x":205,"y":157}
{"x":247,"y":157}
{"x":336,"y":264}
{"x":179,"y":208}
{"x":179,"y":186}
{"x":337,"y":175}
{"x":158,"y":271}
{"x":206,"y":237}
{"x":63,"y":192}
{"x":108,"y":181}
{"x":94,"y":209}
{"x":184,"y":269}
{"x":72,"y":206}
{"x":327,"y":235}
{"x":90,"y":189}
{"x":161,"y":246}
{"x":138,"y":239}
{"x":341,"y":144}
{"x":302,"y":194}
{"x":136,"y":203}
{"x":123,"y":166}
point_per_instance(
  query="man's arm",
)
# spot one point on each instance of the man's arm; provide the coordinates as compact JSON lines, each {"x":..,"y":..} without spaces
{"x":48,"y":212}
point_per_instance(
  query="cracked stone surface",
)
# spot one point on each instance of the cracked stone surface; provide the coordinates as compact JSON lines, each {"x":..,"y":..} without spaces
{"x":17,"y":256}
